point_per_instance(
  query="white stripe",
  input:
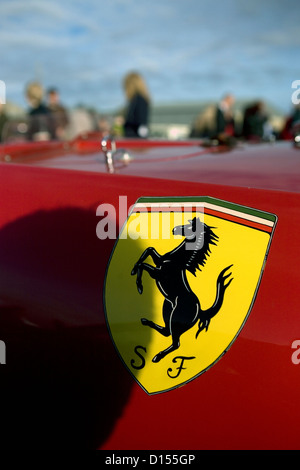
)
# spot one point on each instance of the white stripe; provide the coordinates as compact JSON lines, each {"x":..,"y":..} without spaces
{"x":201,"y":206}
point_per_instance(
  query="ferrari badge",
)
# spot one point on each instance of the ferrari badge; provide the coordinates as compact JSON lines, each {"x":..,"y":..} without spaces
{"x":181,"y":283}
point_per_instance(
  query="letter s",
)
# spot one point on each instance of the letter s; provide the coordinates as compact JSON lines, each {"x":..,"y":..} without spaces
{"x":143,"y":361}
{"x":296,"y":354}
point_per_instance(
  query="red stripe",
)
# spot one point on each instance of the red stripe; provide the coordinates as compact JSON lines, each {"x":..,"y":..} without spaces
{"x":240,"y":220}
{"x":221,"y":215}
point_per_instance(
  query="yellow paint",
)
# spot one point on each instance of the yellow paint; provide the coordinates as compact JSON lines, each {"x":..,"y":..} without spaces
{"x":241,"y":246}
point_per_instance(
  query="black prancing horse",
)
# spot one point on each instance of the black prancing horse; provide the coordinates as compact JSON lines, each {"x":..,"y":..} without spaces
{"x":181,"y":307}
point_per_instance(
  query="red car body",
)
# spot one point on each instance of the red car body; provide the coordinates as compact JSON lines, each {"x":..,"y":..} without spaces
{"x":63,"y":385}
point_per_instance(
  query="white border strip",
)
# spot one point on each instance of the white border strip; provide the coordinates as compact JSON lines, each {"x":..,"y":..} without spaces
{"x":202,"y":205}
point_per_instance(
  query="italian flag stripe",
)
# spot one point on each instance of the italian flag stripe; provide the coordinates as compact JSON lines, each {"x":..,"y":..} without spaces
{"x":225,"y":210}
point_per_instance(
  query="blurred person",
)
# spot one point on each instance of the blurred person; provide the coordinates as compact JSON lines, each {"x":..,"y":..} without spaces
{"x":255,"y":122}
{"x":118,"y":126}
{"x":40,"y":125}
{"x":59,"y":113}
{"x":292,"y":123}
{"x":136,"y":118}
{"x":225,"y":124}
{"x":296,"y":115}
{"x":216,"y":121}
{"x":80,"y":122}
{"x":103,"y":125}
{"x":3,"y":120}
{"x":204,"y":124}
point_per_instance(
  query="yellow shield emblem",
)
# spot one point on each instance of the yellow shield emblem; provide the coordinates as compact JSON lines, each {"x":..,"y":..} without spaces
{"x":181,"y":283}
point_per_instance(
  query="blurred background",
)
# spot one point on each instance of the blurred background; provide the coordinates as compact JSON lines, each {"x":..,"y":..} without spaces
{"x":190,"y":52}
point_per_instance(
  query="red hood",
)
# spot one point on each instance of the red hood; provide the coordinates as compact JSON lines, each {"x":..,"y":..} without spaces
{"x":264,"y":166}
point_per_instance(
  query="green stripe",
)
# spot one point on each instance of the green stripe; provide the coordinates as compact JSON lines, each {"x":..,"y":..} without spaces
{"x":211,"y":200}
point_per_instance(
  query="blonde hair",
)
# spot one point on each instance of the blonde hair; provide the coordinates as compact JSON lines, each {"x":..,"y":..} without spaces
{"x":34,"y":93}
{"x":133,"y":84}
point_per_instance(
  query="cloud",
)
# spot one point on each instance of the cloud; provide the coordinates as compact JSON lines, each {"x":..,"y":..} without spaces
{"x":183,"y":48}
{"x":279,"y":37}
{"x":17,"y":8}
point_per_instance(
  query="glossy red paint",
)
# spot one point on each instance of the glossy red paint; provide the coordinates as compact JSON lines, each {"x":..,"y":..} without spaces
{"x":63,"y":385}
{"x":264,"y":166}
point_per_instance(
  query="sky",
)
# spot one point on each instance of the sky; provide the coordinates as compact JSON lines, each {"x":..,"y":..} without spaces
{"x":187,"y":50}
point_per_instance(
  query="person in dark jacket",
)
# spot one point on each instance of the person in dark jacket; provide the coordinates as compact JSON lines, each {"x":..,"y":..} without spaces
{"x":137,"y":113}
{"x":58,"y":112}
{"x":216,"y":121}
{"x":40,"y":122}
{"x":254,"y":122}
